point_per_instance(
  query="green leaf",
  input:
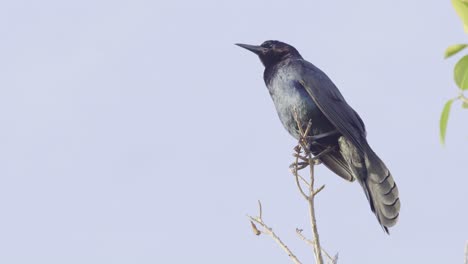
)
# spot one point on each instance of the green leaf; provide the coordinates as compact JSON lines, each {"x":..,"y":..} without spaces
{"x":461,"y":73}
{"x":444,"y":119}
{"x":454,"y":49}
{"x":465,"y":105}
{"x":461,"y":7}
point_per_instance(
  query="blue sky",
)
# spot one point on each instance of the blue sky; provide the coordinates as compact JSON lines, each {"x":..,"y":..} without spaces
{"x":136,"y":132}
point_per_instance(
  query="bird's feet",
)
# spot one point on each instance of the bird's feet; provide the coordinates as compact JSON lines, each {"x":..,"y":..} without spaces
{"x":302,"y":159}
{"x":299,"y":165}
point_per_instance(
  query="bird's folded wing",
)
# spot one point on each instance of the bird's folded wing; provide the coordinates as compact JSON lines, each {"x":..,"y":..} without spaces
{"x":335,"y":161}
{"x":333,"y":105}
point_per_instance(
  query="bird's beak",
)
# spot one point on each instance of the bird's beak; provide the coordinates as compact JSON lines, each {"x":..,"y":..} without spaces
{"x":255,"y":49}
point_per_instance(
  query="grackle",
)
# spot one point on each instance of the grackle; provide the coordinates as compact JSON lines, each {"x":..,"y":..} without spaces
{"x":297,"y":85}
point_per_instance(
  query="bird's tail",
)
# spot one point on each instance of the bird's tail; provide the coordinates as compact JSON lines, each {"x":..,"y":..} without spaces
{"x":381,"y":190}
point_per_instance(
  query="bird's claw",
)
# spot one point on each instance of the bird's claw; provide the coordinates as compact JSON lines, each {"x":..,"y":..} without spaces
{"x":299,"y":165}
{"x":299,"y":156}
{"x":297,"y":149}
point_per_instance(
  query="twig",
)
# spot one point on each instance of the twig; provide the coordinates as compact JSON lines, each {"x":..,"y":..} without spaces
{"x":466,"y":252}
{"x":260,"y":210}
{"x":269,"y":231}
{"x":307,"y":160}
{"x":296,"y":174}
{"x":319,"y":189}
{"x":303,"y":180}
{"x":313,"y":223}
{"x":462,"y":97}
{"x":331,"y":259}
{"x":311,"y":194}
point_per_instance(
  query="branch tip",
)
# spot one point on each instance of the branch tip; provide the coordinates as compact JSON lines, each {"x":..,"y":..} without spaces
{"x":255,"y":229}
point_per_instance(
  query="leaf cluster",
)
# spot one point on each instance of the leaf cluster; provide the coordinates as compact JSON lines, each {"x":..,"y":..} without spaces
{"x":460,"y":72}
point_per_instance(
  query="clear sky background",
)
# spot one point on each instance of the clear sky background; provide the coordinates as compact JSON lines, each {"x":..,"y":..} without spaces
{"x":136,"y":132}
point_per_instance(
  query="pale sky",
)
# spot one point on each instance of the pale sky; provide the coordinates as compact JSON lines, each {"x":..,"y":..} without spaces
{"x":136,"y":132}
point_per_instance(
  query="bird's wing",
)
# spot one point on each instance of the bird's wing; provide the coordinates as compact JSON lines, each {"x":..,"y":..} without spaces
{"x":335,"y":161}
{"x":332,"y":104}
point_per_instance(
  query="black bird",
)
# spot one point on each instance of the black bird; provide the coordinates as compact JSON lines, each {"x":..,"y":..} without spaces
{"x":295,"y":83}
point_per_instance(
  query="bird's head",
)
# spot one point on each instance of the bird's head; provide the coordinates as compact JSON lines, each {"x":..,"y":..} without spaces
{"x":272,"y":51}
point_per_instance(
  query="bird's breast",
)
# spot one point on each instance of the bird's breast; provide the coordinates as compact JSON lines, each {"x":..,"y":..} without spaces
{"x":288,"y":98}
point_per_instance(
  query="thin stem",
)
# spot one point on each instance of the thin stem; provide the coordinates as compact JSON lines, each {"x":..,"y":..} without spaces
{"x":310,"y":197}
{"x":269,"y":231}
{"x":319,"y":189}
{"x":313,"y":222}
{"x":311,"y":243}
{"x":296,"y":174}
{"x":260,"y":209}
{"x":466,"y":252}
{"x":306,"y":160}
{"x":463,"y":98}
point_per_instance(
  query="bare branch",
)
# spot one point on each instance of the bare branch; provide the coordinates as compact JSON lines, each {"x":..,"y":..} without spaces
{"x":306,"y":133}
{"x":297,"y":155}
{"x":303,"y":144}
{"x":310,"y":197}
{"x":332,"y":260}
{"x":303,"y":159}
{"x":269,"y":231}
{"x":335,"y":259}
{"x":296,"y":118}
{"x":466,"y":252}
{"x":255,"y":229}
{"x":296,"y":174}
{"x":304,"y":180}
{"x":301,"y":236}
{"x":298,"y":184}
{"x":462,"y":97}
{"x":260,"y":209}
{"x":313,"y":223}
{"x":318,"y":190}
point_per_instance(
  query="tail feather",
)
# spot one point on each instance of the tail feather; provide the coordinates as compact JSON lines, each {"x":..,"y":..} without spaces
{"x":376,"y":180}
{"x":382,"y":190}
